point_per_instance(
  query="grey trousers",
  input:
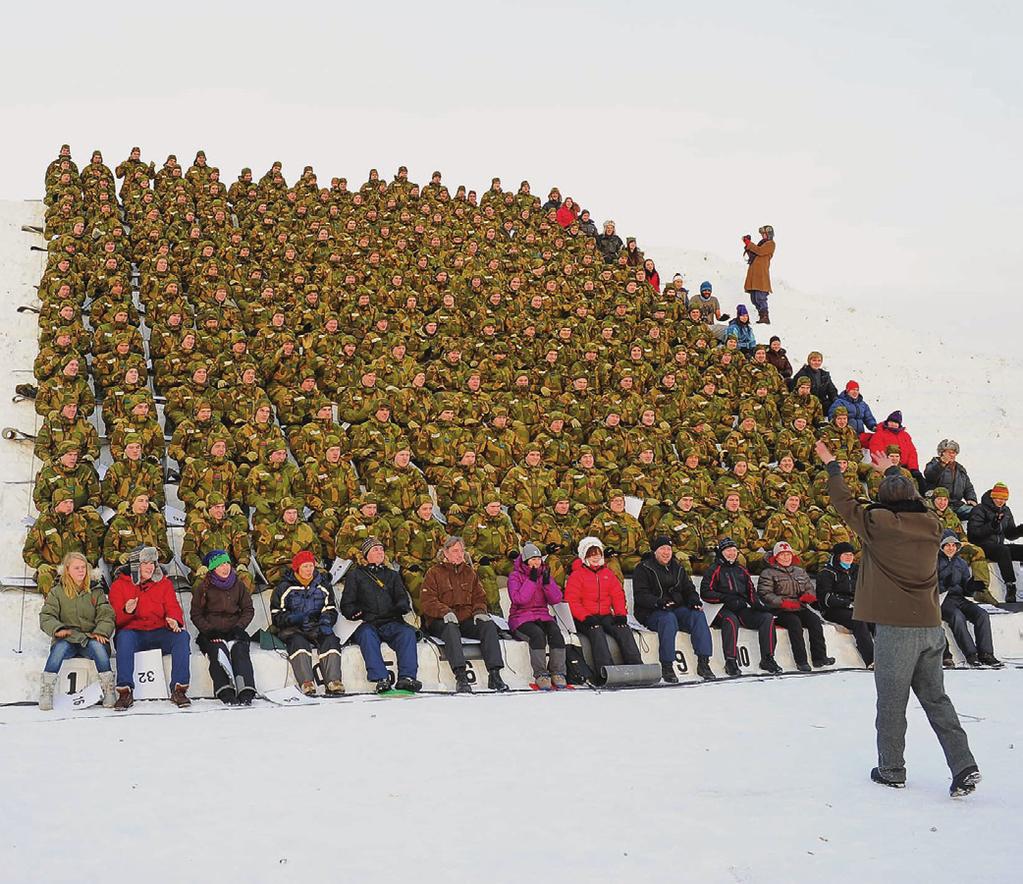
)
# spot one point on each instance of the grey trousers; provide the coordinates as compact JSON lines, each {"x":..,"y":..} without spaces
{"x":908,"y":657}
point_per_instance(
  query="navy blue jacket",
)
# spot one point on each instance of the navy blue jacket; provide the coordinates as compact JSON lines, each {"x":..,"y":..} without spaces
{"x":953,"y":575}
{"x":310,"y":609}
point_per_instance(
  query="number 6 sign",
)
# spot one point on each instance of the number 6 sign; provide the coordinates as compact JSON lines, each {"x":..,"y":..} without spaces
{"x":150,"y":682}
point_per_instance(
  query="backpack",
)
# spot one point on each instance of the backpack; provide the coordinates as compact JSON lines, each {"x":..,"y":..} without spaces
{"x":577,"y":670}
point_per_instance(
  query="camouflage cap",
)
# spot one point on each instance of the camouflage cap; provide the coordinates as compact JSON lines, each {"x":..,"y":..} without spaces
{"x":61,"y":494}
{"x":940,"y":492}
{"x":215,"y":498}
{"x":841,"y":410}
{"x":66,"y":447}
{"x":893,"y":449}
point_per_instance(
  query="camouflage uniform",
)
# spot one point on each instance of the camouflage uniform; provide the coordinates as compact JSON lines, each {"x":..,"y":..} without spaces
{"x":79,"y":478}
{"x":490,"y":539}
{"x":276,"y":541}
{"x":417,"y":543}
{"x":55,"y":534}
{"x":128,"y":530}
{"x":624,"y":540}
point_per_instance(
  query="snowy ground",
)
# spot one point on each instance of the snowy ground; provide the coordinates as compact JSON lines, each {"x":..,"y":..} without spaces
{"x":751,"y":781}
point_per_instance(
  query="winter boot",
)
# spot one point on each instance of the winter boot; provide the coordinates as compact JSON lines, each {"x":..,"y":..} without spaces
{"x":990,"y":660}
{"x":309,"y":688}
{"x":732,"y":669}
{"x":974,"y":661}
{"x":125,"y":699}
{"x":804,"y":667}
{"x":495,"y":682}
{"x":227,"y":696}
{"x":335,"y":689}
{"x":1010,"y":593}
{"x":462,"y":685}
{"x":413,"y":685}
{"x":246,"y":696}
{"x":668,"y":673}
{"x":179,"y":696}
{"x":559,"y":681}
{"x":875,"y":775}
{"x":764,"y":318}
{"x":703,"y":669}
{"x":557,"y":666}
{"x":824,"y":661}
{"x":769,"y":665}
{"x":544,"y":683}
{"x":538,"y":661}
{"x":947,"y":662}
{"x":28,"y":391}
{"x":383,"y":685}
{"x":964,"y":782}
{"x":47,"y":684}
{"x":106,"y":681}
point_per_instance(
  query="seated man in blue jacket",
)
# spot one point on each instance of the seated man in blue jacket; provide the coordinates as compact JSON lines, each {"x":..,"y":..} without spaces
{"x":956,"y":585}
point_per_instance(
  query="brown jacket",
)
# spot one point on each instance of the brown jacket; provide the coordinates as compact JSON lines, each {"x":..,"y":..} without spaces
{"x":452,"y":588}
{"x":758,"y":276}
{"x":776,"y":584}
{"x":218,"y":612}
{"x":898,"y":579}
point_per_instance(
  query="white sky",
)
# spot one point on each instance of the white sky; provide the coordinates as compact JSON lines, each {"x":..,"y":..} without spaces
{"x":880,"y":139}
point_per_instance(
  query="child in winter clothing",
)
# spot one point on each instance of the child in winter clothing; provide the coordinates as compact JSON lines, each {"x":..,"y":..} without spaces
{"x":221,"y":609}
{"x":597,"y":600}
{"x":956,"y":584}
{"x":836,"y":588}
{"x":532,"y":590}
{"x":80,"y":621}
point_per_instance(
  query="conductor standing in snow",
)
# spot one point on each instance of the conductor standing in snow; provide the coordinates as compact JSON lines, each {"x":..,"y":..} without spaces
{"x":758,"y":275}
{"x":897,"y":589}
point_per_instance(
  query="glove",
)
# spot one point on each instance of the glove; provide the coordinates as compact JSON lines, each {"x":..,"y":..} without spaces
{"x":450,"y":617}
{"x":725,"y":317}
{"x":412,"y":568}
{"x":242,"y":568}
{"x":974,"y":586}
{"x":201,"y":571}
{"x":592,"y":622}
{"x":513,"y":554}
{"x":533,"y":574}
{"x":234,"y":510}
{"x":238,"y":635}
{"x":481,"y":618}
{"x":620,"y":620}
{"x":808,"y":598}
{"x":790,"y":605}
{"x":326,"y":631}
{"x":485,"y":560}
{"x":747,"y":239}
{"x":552,"y":548}
{"x":610,"y":551}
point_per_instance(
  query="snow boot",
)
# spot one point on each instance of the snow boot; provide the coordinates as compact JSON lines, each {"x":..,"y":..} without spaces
{"x":557,"y":666}
{"x":495,"y":682}
{"x":804,"y":667}
{"x":768,"y":664}
{"x":334,"y":689}
{"x":875,"y":775}
{"x":227,"y":696}
{"x":544,"y":683}
{"x":29,"y":391}
{"x":973,"y":661}
{"x":1010,"y":593}
{"x":764,"y":318}
{"x":179,"y":696}
{"x":413,"y":685}
{"x":703,"y":669}
{"x":538,"y":662}
{"x":732,"y":669}
{"x":462,"y":684}
{"x":125,"y":699}
{"x":947,"y":662}
{"x":964,"y":782}
{"x":309,"y":688}
{"x":990,"y":660}
{"x":47,"y":685}
{"x":383,"y":685}
{"x":824,"y":661}
{"x":106,"y":681}
{"x":559,"y":681}
{"x":246,"y":696}
{"x":668,"y":673}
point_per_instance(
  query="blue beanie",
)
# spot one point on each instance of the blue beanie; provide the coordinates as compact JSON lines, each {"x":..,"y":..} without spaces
{"x":706,"y":286}
{"x":741,"y":310}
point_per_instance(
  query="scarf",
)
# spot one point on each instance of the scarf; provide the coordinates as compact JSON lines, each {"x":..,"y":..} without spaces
{"x":222,"y":582}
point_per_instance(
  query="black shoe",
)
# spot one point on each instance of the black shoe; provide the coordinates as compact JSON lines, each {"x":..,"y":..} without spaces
{"x":990,"y":660}
{"x":768,"y":664}
{"x":383,"y":685}
{"x":228,"y":697}
{"x":974,"y":661}
{"x":668,"y":673}
{"x":246,"y":696}
{"x":804,"y":667}
{"x":462,"y":685}
{"x":948,"y":663}
{"x":28,"y":391}
{"x":732,"y":669}
{"x":824,"y":661}
{"x":1010,"y":593}
{"x":409,"y":684}
{"x":875,"y":775}
{"x":495,"y":682}
{"x":964,"y":782}
{"x":703,"y":669}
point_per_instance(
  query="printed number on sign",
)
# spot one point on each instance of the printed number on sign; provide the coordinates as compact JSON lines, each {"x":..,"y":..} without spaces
{"x":680,"y":663}
{"x":72,"y":682}
{"x":743,"y":656}
{"x":147,"y":677}
{"x":470,"y":675}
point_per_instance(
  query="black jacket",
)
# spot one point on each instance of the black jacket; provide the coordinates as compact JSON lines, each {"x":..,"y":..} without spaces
{"x":655,"y":585}
{"x":821,"y":385}
{"x":954,"y":478}
{"x":836,"y":586}
{"x":954,"y":576}
{"x":731,"y":586}
{"x":374,"y":594}
{"x":990,"y":526}
{"x":609,"y":246}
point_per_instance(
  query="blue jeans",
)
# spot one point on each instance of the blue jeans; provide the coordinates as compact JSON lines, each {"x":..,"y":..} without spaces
{"x":128,"y":641}
{"x":400,"y":636}
{"x":667,"y":623}
{"x":64,"y":650}
{"x":759,"y":300}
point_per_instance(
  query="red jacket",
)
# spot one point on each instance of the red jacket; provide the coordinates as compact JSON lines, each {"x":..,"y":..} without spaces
{"x":590,"y":592}
{"x":883,"y":437}
{"x":567,"y":215}
{"x":157,"y":602}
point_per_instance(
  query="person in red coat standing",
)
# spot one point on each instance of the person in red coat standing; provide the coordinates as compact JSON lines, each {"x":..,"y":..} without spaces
{"x":568,"y":212}
{"x":596,"y":598}
{"x":148,"y":615}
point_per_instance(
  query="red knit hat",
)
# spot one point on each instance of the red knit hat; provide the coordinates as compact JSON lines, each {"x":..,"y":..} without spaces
{"x":851,"y":385}
{"x":300,"y":558}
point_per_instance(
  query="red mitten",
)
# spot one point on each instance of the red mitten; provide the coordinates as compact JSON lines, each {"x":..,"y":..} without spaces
{"x":808,"y":598}
{"x":790,"y":605}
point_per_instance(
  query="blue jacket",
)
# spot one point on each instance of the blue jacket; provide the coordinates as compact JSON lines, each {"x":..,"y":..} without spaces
{"x":310,"y":609}
{"x":860,"y":417}
{"x":747,"y":340}
{"x":953,"y":575}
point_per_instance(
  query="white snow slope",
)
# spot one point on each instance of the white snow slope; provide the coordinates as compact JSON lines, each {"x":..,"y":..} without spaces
{"x":747,"y":781}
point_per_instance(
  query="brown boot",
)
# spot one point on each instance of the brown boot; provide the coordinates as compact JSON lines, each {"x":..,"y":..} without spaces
{"x":335,"y":689}
{"x":125,"y":699}
{"x":309,"y":688}
{"x":178,"y":696}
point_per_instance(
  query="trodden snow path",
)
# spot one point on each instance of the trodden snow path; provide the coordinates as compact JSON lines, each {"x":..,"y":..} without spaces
{"x":747,"y":781}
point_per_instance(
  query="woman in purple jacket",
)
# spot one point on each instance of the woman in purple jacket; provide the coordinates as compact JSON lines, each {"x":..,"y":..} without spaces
{"x":532,"y":590}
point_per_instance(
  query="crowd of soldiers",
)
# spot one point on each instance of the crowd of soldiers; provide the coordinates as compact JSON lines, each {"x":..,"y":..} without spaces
{"x":398,"y":361}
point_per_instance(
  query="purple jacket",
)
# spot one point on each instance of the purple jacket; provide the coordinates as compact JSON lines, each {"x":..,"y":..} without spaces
{"x":530,"y":598}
